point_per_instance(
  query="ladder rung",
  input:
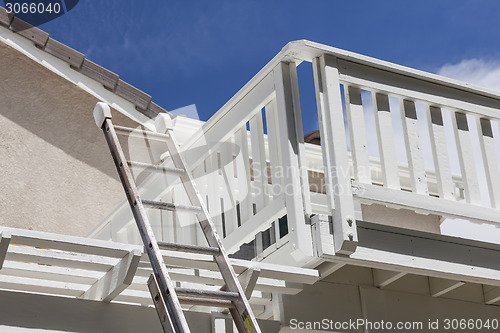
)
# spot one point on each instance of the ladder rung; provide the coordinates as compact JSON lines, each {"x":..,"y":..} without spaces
{"x":169,"y":206}
{"x":138,"y":133}
{"x":219,"y":303}
{"x":211,"y":294}
{"x":189,"y":248}
{"x":157,"y":168}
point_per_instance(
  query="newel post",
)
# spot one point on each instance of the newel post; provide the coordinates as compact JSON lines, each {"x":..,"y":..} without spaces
{"x":289,"y":127}
{"x":335,"y":158}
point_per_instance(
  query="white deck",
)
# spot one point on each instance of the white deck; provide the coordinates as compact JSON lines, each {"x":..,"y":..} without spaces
{"x":53,"y":264}
{"x":253,"y":167}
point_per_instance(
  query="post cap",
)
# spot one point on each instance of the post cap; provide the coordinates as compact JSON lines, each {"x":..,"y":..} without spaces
{"x":163,"y":123}
{"x":101,"y":113}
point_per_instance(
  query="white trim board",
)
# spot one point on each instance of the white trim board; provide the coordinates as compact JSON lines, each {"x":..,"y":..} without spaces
{"x":64,"y":70}
{"x":421,"y":253}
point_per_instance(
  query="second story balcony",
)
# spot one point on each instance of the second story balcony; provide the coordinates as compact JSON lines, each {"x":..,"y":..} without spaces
{"x":396,"y":150}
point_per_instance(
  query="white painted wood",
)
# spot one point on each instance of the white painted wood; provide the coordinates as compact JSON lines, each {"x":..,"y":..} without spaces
{"x":243,"y":175}
{"x":492,"y":296}
{"x":322,"y":238}
{"x":211,"y":278}
{"x":41,"y":286}
{"x":385,"y":138}
{"x":185,"y":221}
{"x":144,"y":297}
{"x":205,"y":140}
{"x":214,"y":206}
{"x":490,"y":160}
{"x":66,"y":243}
{"x":267,"y":270}
{"x":259,"y":165}
{"x":304,"y":179}
{"x":258,"y":223}
{"x":199,"y":175}
{"x":229,"y":119}
{"x":431,"y":205}
{"x":62,"y":69}
{"x":52,"y":273}
{"x":412,"y":264}
{"x":58,"y":258}
{"x":382,"y":278}
{"x":439,"y":287}
{"x":114,"y":281}
{"x":465,"y":157}
{"x":334,"y":148}
{"x":275,"y":159}
{"x":328,"y":268}
{"x":276,"y":166}
{"x":228,"y":181}
{"x":414,"y":153}
{"x":437,"y":134}
{"x":248,"y":280}
{"x":357,"y":134}
{"x":5,"y":238}
{"x":325,"y":138}
{"x":299,"y":231}
{"x":417,"y":89}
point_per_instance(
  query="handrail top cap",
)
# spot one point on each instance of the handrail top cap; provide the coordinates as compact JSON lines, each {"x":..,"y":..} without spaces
{"x":101,"y":113}
{"x":306,"y":50}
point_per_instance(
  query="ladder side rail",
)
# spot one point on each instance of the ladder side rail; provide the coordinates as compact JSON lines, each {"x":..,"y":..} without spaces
{"x":152,"y":249}
{"x":242,"y":313}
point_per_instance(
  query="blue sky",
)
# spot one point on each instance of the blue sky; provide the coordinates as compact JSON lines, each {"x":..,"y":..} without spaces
{"x":202,"y":52}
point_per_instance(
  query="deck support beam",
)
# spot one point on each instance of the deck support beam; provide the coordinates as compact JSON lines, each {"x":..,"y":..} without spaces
{"x":5,"y":238}
{"x":439,"y":287}
{"x":382,"y":278}
{"x":327,"y":268}
{"x":334,"y":149}
{"x":492,"y":295}
{"x":248,"y":280}
{"x":114,"y":281}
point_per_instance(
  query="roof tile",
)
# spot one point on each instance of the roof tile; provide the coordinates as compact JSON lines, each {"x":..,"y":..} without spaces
{"x":156,"y":109}
{"x":147,"y":113}
{"x":75,"y":59}
{"x":5,"y":18}
{"x":25,"y":29}
{"x":100,"y":74}
{"x":132,"y":94}
{"x":63,"y":52}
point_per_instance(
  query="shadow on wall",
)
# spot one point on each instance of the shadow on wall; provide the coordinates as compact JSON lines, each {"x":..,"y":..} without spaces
{"x":53,"y":109}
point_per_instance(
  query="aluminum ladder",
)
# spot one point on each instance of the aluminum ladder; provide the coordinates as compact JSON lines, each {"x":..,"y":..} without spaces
{"x":166,"y":297}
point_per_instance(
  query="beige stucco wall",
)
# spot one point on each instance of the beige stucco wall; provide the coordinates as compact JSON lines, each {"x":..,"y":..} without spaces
{"x":56,"y":173}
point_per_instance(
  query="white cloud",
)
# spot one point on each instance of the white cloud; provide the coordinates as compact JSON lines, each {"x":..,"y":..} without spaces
{"x":480,"y":72}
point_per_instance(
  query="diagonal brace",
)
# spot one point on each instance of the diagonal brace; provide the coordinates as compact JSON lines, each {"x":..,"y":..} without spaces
{"x":5,"y":238}
{"x":117,"y":279}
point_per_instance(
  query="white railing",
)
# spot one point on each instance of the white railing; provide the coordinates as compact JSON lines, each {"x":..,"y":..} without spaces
{"x":247,"y":165}
{"x":253,"y":167}
{"x":422,"y":103}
